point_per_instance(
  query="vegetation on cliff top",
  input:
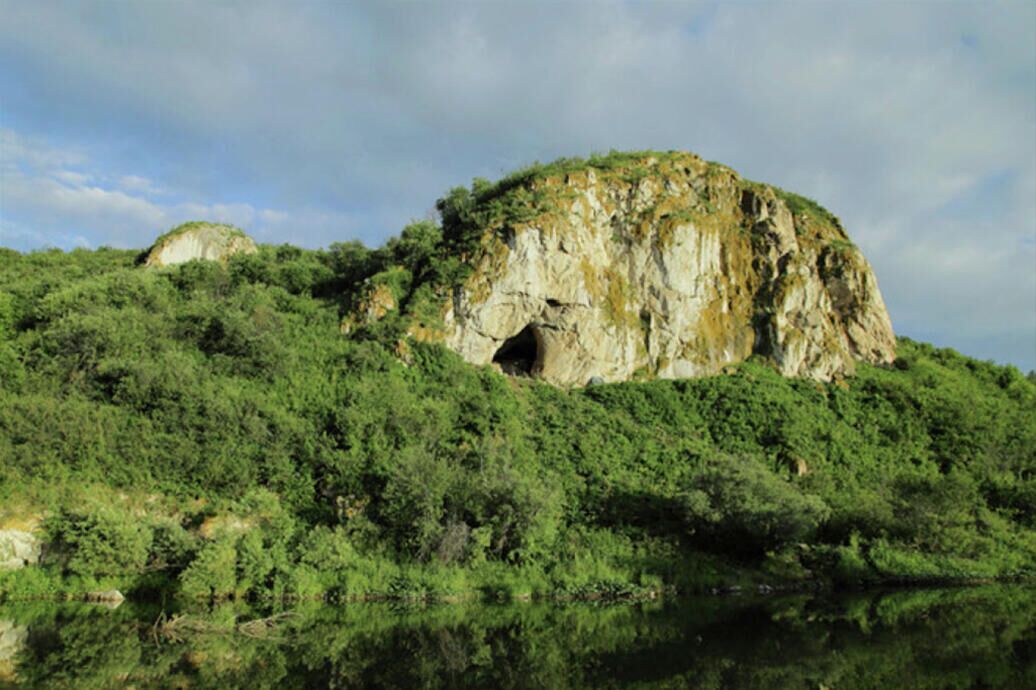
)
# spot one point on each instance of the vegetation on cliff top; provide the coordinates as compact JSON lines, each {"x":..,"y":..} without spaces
{"x":230,"y":230}
{"x":534,"y":190}
{"x":206,"y":427}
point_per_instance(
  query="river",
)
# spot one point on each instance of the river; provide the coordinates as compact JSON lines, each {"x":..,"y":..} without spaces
{"x":976,"y":637}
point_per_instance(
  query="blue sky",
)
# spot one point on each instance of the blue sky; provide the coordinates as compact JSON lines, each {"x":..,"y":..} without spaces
{"x":316,"y":122}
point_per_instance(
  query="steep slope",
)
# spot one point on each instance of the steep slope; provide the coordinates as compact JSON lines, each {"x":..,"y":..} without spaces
{"x":207,"y":430}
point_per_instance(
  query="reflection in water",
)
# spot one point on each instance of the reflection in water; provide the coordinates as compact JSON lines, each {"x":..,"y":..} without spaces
{"x":12,"y":639}
{"x":962,"y":638}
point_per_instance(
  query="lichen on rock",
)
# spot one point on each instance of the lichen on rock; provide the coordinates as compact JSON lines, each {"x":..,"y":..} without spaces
{"x":197,"y":240}
{"x":663,"y":264}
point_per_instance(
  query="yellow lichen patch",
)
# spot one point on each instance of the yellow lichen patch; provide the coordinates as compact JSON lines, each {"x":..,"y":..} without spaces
{"x":492,"y":261}
{"x":379,"y":302}
{"x":478,"y":288}
{"x":720,"y":333}
{"x":196,"y":657}
{"x":22,"y":522}
{"x":8,"y":672}
{"x":217,"y":525}
{"x":798,"y":467}
{"x":403,"y":350}
{"x":591,"y":280}
{"x":616,"y":300}
{"x":424,"y":334}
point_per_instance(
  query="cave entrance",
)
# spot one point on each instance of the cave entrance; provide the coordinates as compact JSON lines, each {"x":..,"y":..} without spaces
{"x":519,"y":354}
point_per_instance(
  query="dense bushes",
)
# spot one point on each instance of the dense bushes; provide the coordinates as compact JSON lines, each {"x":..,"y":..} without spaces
{"x":738,"y":506}
{"x":212,"y":387}
{"x":101,"y":541}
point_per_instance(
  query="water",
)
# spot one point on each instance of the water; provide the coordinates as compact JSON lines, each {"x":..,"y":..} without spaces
{"x":954,"y":638}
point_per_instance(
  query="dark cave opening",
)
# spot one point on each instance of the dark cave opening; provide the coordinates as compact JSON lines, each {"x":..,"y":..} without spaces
{"x":518,"y":355}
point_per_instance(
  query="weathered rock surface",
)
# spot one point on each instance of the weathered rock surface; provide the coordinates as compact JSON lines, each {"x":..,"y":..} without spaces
{"x":199,"y":241}
{"x":377,"y":301}
{"x":671,"y":267}
{"x":18,"y":549}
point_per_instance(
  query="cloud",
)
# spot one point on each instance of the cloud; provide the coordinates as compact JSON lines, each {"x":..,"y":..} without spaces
{"x":43,"y":203}
{"x":139,"y":185}
{"x":914,"y":122}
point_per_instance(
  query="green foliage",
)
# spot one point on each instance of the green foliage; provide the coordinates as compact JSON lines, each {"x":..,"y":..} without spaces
{"x":101,"y":541}
{"x":842,"y":246}
{"x":230,"y":391}
{"x":213,"y":573}
{"x":800,"y":205}
{"x":193,"y":225}
{"x":466,"y":214}
{"x":925,"y":640}
{"x":172,"y":546}
{"x":737,"y":505}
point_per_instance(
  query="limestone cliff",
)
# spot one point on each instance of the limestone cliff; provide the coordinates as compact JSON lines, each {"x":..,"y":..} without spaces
{"x":199,"y":241}
{"x":659,"y":265}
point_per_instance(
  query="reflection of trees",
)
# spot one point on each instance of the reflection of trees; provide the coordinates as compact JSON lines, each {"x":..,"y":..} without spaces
{"x":12,"y":640}
{"x":928,"y":639}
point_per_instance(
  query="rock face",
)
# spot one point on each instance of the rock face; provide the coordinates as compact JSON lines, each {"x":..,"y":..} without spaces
{"x":199,"y":241}
{"x":17,"y":549}
{"x":667,"y":266}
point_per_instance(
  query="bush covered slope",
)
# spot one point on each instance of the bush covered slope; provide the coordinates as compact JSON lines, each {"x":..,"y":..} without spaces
{"x":208,"y":427}
{"x":279,"y":424}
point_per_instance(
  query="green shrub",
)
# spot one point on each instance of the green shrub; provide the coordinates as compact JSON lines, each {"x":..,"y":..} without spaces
{"x":172,"y":546}
{"x":355,"y":467}
{"x":736,"y":504}
{"x":101,"y":541}
{"x":213,"y":574}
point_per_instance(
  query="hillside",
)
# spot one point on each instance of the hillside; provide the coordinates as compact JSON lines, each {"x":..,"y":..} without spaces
{"x":270,"y":426}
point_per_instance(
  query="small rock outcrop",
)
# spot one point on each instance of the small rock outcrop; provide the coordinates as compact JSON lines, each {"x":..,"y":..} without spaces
{"x":199,"y":241}
{"x":18,"y":548}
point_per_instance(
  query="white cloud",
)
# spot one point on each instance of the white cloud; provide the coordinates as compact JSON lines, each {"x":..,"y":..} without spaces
{"x":43,"y":203}
{"x":140,"y":185}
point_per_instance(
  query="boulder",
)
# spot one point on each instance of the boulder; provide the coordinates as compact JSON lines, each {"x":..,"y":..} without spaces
{"x":18,"y":548}
{"x":197,"y":240}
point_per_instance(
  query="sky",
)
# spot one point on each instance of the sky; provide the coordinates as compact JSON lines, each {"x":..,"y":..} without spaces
{"x":320,"y":122}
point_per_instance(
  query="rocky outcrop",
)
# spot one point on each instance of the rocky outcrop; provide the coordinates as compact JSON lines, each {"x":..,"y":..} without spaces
{"x":376,"y":300}
{"x":18,"y":549}
{"x":199,"y":241}
{"x":666,"y":266}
